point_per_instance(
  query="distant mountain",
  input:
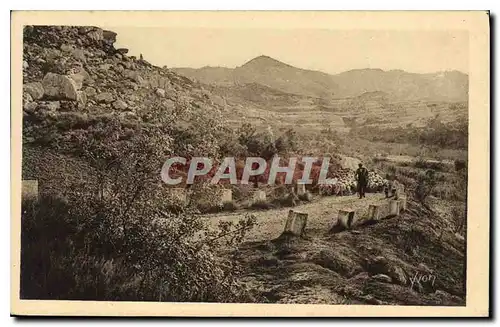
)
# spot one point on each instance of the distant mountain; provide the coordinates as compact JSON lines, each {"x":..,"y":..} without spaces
{"x":399,"y":84}
{"x":208,"y":75}
{"x":268,"y":72}
{"x":441,"y":86}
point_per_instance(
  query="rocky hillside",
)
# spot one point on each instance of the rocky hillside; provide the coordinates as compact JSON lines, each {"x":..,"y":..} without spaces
{"x":79,"y":69}
{"x":77,"y":84}
{"x":401,"y":85}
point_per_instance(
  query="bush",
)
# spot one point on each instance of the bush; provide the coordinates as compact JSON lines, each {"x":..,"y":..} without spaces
{"x":263,"y":205}
{"x":424,"y":185}
{"x":379,"y":159}
{"x":460,"y":165}
{"x":264,"y":144}
{"x":307,"y":197}
{"x":71,"y":255}
{"x":114,"y":238}
{"x":424,"y":164}
{"x":459,"y":218}
{"x":230,"y":206}
{"x":289,"y":200}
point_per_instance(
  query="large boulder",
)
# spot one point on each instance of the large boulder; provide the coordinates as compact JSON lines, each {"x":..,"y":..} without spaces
{"x":27,"y":98}
{"x":105,"y":97}
{"x":134,"y":76}
{"x":381,"y":265}
{"x":28,"y":104}
{"x":79,"y":54}
{"x":90,"y":91}
{"x":82,"y":99}
{"x":59,"y":87}
{"x":382,"y":278}
{"x":120,"y":105}
{"x":50,"y":54}
{"x":78,"y":79}
{"x":35,"y":90}
{"x":84,"y":29}
{"x":160,"y":92}
{"x":122,"y":51}
{"x":52,"y":105}
{"x":96,"y":34}
{"x":109,"y":36}
{"x":67,"y":48}
{"x":105,"y":67}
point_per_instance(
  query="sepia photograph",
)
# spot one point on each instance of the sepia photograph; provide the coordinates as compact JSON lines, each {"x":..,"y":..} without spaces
{"x":240,"y":159}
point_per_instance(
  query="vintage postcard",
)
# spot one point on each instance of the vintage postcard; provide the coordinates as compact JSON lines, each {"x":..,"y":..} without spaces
{"x":248,"y":163}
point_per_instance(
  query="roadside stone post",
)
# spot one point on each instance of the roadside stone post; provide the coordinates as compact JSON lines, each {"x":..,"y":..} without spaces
{"x":301,"y":189}
{"x":402,"y":203}
{"x":394,"y":207}
{"x":296,"y":223}
{"x":346,"y":218}
{"x":374,"y":212}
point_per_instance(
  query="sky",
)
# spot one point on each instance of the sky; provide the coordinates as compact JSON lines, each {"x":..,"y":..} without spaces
{"x":330,"y":51}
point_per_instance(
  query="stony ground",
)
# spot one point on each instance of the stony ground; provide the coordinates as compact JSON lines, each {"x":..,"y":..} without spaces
{"x":413,"y":259}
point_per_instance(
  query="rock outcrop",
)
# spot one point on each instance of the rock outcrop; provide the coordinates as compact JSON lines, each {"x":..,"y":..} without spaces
{"x":35,"y":90}
{"x":59,"y":87}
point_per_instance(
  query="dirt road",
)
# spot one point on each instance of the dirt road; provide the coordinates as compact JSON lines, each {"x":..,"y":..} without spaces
{"x":323,"y":212}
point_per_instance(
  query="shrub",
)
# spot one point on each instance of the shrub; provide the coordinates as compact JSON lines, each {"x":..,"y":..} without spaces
{"x":425,"y":164}
{"x":459,"y":218}
{"x":241,"y":191}
{"x":289,"y":200}
{"x":307,"y":197}
{"x":412,"y":240}
{"x":115,"y":238}
{"x":263,"y":205}
{"x":265,"y":144}
{"x":424,"y":185}
{"x":379,"y":159}
{"x":230,"y":206}
{"x":206,"y":197}
{"x":69,"y":253}
{"x":460,"y":165}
